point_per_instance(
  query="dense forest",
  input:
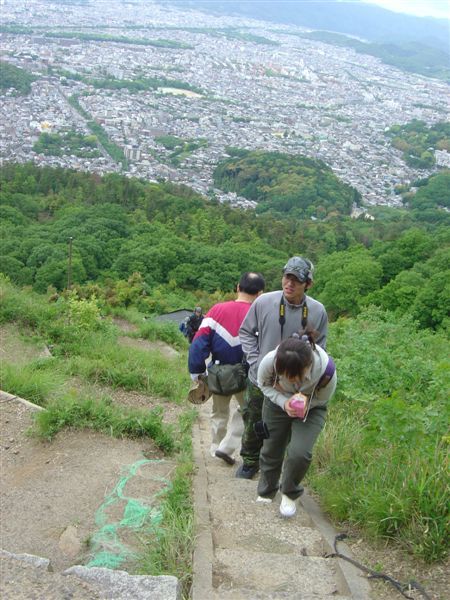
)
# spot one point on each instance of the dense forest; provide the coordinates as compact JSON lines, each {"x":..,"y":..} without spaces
{"x":162,"y":246}
{"x":284,"y":183}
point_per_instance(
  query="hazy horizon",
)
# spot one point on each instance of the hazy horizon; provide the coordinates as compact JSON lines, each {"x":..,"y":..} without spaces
{"x":439,"y":9}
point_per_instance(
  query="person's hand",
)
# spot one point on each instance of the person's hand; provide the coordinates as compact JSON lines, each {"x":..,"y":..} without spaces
{"x":287,"y":407}
{"x":195,"y":376}
{"x":292,"y":405}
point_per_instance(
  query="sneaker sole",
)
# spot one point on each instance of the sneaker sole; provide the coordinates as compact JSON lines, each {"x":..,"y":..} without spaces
{"x":225,"y":457}
{"x":264,"y":500}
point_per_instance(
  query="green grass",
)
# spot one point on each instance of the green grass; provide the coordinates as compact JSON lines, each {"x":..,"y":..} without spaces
{"x":100,"y":415}
{"x":152,"y":330}
{"x":29,"y":310}
{"x":86,"y":347}
{"x":167,"y":332}
{"x":30,"y":382}
{"x":130,"y":369}
{"x":382,"y":460}
{"x":391,"y":493}
{"x":169,"y":550}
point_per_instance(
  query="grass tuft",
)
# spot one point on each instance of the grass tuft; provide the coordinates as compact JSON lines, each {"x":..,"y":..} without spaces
{"x":30,"y":382}
{"x":100,"y":415}
{"x":169,"y":550}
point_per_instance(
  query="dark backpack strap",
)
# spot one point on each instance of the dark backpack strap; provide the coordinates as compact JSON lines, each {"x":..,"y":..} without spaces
{"x":282,"y":315}
{"x":304,"y":315}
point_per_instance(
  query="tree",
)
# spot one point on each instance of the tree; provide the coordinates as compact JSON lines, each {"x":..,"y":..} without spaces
{"x":344,"y":278}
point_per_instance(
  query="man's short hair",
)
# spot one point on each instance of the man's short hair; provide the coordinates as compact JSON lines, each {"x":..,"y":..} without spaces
{"x":251,"y":283}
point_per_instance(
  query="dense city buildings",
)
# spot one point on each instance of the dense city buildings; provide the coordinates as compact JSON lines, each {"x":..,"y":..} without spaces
{"x":142,"y":71}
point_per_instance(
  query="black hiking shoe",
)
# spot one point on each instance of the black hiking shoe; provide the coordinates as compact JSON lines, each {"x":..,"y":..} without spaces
{"x":247,"y":471}
{"x":228,"y":459}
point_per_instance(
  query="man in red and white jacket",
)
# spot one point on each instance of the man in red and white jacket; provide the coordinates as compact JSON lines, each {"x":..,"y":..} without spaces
{"x":218,"y":336}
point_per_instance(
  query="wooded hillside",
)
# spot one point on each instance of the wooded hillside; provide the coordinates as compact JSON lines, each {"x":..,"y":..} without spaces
{"x":163,"y":247}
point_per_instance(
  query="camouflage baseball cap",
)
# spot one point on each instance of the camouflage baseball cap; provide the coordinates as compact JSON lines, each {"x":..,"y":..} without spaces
{"x":302,"y":268}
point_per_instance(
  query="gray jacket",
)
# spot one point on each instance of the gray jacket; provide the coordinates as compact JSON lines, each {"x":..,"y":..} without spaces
{"x":260,"y":331}
{"x":281,"y":390}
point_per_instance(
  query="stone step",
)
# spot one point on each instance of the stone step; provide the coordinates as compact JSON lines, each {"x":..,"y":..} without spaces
{"x":246,"y":551}
{"x":249,"y":594}
{"x":275,"y":573}
{"x":302,"y":542}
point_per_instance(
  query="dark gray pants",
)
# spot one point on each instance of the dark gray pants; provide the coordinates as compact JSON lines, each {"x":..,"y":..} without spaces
{"x":289,"y":447}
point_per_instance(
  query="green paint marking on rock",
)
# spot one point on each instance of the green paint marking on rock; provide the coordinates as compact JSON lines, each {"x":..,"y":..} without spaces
{"x":107,"y":549}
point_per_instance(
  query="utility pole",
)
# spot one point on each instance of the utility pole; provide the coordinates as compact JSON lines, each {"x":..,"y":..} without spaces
{"x":69,"y":266}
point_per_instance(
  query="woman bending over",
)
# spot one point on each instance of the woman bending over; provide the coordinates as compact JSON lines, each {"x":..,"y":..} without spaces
{"x":297,"y":379}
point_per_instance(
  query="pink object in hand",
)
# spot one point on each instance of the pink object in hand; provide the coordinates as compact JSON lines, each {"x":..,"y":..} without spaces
{"x":298,"y":403}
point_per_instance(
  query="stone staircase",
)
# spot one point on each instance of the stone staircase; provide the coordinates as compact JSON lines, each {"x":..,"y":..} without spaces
{"x":246,"y":551}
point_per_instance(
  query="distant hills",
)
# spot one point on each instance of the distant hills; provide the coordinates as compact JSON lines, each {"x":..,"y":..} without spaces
{"x":424,"y":41}
{"x":414,"y":57}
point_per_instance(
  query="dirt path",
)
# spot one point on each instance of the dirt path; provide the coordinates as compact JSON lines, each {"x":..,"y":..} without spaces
{"x":58,"y":496}
{"x":80,"y":499}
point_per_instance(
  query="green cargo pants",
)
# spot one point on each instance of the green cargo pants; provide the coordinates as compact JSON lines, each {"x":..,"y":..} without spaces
{"x":288,"y":450}
{"x":251,"y":414}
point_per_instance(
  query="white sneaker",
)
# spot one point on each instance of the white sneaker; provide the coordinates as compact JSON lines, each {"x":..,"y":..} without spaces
{"x":288,"y":507}
{"x":263,"y":499}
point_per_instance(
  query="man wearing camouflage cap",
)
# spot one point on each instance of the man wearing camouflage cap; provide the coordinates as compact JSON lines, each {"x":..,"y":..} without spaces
{"x":273,"y":317}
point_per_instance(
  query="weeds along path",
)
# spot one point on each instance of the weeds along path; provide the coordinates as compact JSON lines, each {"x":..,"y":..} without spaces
{"x":85,"y":498}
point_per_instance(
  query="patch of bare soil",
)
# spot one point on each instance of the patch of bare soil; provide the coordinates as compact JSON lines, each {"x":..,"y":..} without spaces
{"x":126,"y":340}
{"x":57,"y":496}
{"x":17,"y":349}
{"x":130,"y":399}
{"x":124,"y":325}
{"x":142,"y":344}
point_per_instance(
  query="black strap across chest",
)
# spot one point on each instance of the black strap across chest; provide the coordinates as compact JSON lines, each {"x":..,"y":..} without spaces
{"x":282,"y":315}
